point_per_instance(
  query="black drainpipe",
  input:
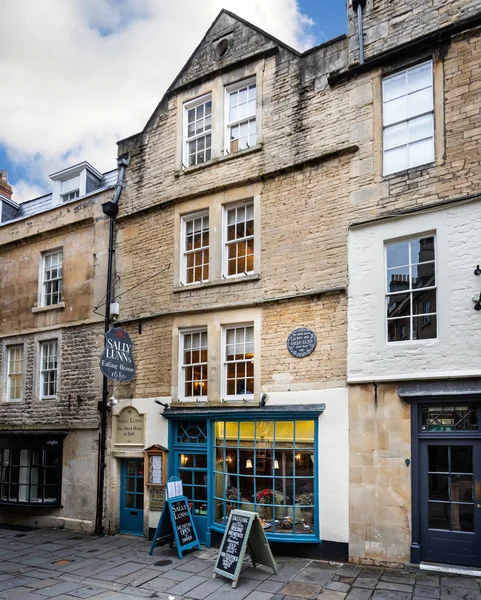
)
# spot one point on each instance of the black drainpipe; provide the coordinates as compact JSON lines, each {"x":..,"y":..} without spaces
{"x":111,"y":209}
{"x":357,"y":6}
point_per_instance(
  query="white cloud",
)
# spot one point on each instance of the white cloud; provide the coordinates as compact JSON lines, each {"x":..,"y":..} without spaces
{"x":79,"y":75}
{"x":26,"y":191}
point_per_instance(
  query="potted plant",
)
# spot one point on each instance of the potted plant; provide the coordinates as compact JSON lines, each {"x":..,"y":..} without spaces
{"x":266,"y":497}
{"x":306,"y":502}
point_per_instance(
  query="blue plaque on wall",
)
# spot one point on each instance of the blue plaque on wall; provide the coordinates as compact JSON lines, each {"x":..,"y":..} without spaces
{"x":301,"y":342}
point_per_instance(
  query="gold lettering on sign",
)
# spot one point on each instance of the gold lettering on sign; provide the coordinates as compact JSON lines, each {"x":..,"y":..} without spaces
{"x":129,"y":427}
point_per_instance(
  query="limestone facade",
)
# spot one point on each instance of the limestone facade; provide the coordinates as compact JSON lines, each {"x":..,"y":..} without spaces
{"x":32,"y":425}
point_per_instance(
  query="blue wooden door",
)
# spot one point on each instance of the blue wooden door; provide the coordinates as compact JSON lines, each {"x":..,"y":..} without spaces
{"x":450,"y":494}
{"x":192,"y":470}
{"x":132,"y":496}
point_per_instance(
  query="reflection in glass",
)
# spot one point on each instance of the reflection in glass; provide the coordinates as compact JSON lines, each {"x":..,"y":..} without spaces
{"x":399,"y":330}
{"x":438,"y":515}
{"x":463,"y":517}
{"x":271,"y":472}
{"x":438,"y":460}
{"x":438,"y":487}
{"x":449,"y":418}
{"x":462,"y":488}
{"x":462,"y":459}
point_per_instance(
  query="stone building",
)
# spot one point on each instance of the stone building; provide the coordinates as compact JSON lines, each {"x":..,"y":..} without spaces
{"x":232,"y":234}
{"x":53,"y":255}
{"x":413,"y":372}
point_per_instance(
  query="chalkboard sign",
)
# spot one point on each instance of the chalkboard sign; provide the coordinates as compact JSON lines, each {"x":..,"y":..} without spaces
{"x":175,"y":524}
{"x":182,"y":520}
{"x":156,"y":497}
{"x":243,"y":532}
{"x":301,"y":342}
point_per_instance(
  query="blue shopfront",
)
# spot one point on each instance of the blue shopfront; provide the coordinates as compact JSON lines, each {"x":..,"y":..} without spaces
{"x":257,"y":459}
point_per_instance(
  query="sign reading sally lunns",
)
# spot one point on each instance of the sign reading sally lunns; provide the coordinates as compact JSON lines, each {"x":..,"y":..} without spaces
{"x":117,"y":360}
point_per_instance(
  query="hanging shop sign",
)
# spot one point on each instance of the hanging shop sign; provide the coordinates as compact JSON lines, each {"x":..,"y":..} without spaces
{"x":301,"y":342}
{"x":176,"y":525}
{"x":117,"y":360}
{"x":243,"y":532}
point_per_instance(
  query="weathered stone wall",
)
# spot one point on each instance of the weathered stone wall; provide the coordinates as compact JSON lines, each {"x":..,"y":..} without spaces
{"x":380,"y":481}
{"x":389,"y":24}
{"x":79,"y":388}
{"x":326,"y":366}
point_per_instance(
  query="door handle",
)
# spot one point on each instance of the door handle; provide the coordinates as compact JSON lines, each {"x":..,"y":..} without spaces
{"x":134,"y":512}
{"x":478,"y":505}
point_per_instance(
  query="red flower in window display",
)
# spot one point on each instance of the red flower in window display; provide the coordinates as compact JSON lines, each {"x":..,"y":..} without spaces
{"x":265,"y":497}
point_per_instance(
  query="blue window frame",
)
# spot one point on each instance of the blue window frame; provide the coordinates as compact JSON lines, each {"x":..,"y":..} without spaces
{"x":282,"y":483}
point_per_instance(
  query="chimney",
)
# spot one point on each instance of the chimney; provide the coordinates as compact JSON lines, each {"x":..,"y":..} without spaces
{"x":5,"y":187}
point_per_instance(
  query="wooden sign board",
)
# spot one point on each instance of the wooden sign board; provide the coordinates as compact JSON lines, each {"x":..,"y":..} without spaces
{"x":175,"y":524}
{"x":243,"y":533}
{"x":156,"y":497}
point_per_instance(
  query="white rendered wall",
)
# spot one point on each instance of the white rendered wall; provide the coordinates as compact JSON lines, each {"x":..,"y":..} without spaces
{"x":456,"y":351}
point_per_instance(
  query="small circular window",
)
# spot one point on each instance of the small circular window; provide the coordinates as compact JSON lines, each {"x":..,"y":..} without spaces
{"x":222,"y":47}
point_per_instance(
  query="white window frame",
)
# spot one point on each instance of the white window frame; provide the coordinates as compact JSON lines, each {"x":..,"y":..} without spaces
{"x":195,"y":251}
{"x":227,"y":243}
{"x":186,"y":139}
{"x":10,"y":349}
{"x":183,"y":333}
{"x":250,"y":118}
{"x":46,"y":347}
{"x":44,"y":293}
{"x":426,"y":317}
{"x":225,"y":363}
{"x":73,"y":195}
{"x":406,"y":118}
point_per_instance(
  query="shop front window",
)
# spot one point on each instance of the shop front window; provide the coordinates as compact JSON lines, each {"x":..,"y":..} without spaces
{"x":267,"y":467}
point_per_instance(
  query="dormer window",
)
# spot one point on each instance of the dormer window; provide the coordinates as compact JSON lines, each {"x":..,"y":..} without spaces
{"x":74,"y":182}
{"x":198,"y":131}
{"x":240,"y":116}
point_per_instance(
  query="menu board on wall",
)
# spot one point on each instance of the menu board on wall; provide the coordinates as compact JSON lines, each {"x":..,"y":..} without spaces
{"x":157,"y":498}
{"x":155,"y":469}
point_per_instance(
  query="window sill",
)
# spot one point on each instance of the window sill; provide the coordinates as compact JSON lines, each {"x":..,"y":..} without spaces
{"x":217,"y":160}
{"x":404,"y":172}
{"x":39,"y":309}
{"x":30,"y":505}
{"x":216,"y":283}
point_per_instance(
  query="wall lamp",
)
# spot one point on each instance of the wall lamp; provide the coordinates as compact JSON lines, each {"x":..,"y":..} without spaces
{"x":263,"y":399}
{"x":164,"y":404}
{"x":477,"y":270}
{"x":112,"y":401}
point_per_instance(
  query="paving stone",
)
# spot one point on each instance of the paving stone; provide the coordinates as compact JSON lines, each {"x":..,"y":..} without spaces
{"x":138,"y":577}
{"x":299,"y":589}
{"x":349,"y":570}
{"x":59,"y":588}
{"x":285,"y":574}
{"x":468,"y":583}
{"x":427,"y":591}
{"x":344,"y":579}
{"x":399,"y":578}
{"x":193,"y":566}
{"x":372,"y":572}
{"x":21,"y":593}
{"x":431,"y":580}
{"x":390,"y":595}
{"x":259,"y":573}
{"x":366,"y":583}
{"x":159,"y":584}
{"x":226,"y":591}
{"x":313,"y":574}
{"x":182,"y":587}
{"x":278,"y":597}
{"x":338,"y":586}
{"x":459,"y":593}
{"x":38,"y":584}
{"x":17,"y":581}
{"x":359,"y":594}
{"x":205,"y":589}
{"x":256,"y":595}
{"x":270,"y":586}
{"x":176,"y":575}
{"x":107,"y":595}
{"x":104,"y":585}
{"x":331,"y":595}
{"x":86,"y":592}
{"x":396,"y":587}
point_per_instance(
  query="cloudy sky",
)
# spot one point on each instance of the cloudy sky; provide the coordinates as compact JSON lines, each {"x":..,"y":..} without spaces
{"x":78,"y":75}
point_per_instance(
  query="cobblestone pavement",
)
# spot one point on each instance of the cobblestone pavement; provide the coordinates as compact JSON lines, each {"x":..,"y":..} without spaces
{"x":64,"y":565}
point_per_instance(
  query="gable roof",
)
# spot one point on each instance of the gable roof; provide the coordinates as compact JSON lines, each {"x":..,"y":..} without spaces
{"x":205,"y":62}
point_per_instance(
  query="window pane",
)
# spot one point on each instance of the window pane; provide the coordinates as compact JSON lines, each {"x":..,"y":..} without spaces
{"x":421,"y":128}
{"x":420,"y":102}
{"x":424,"y":302}
{"x":424,"y":328}
{"x":438,"y":487}
{"x":394,"y":111}
{"x":421,"y":152}
{"x":394,"y":86}
{"x":439,"y":515}
{"x":419,"y":77}
{"x":399,"y":330}
{"x":395,"y":160}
